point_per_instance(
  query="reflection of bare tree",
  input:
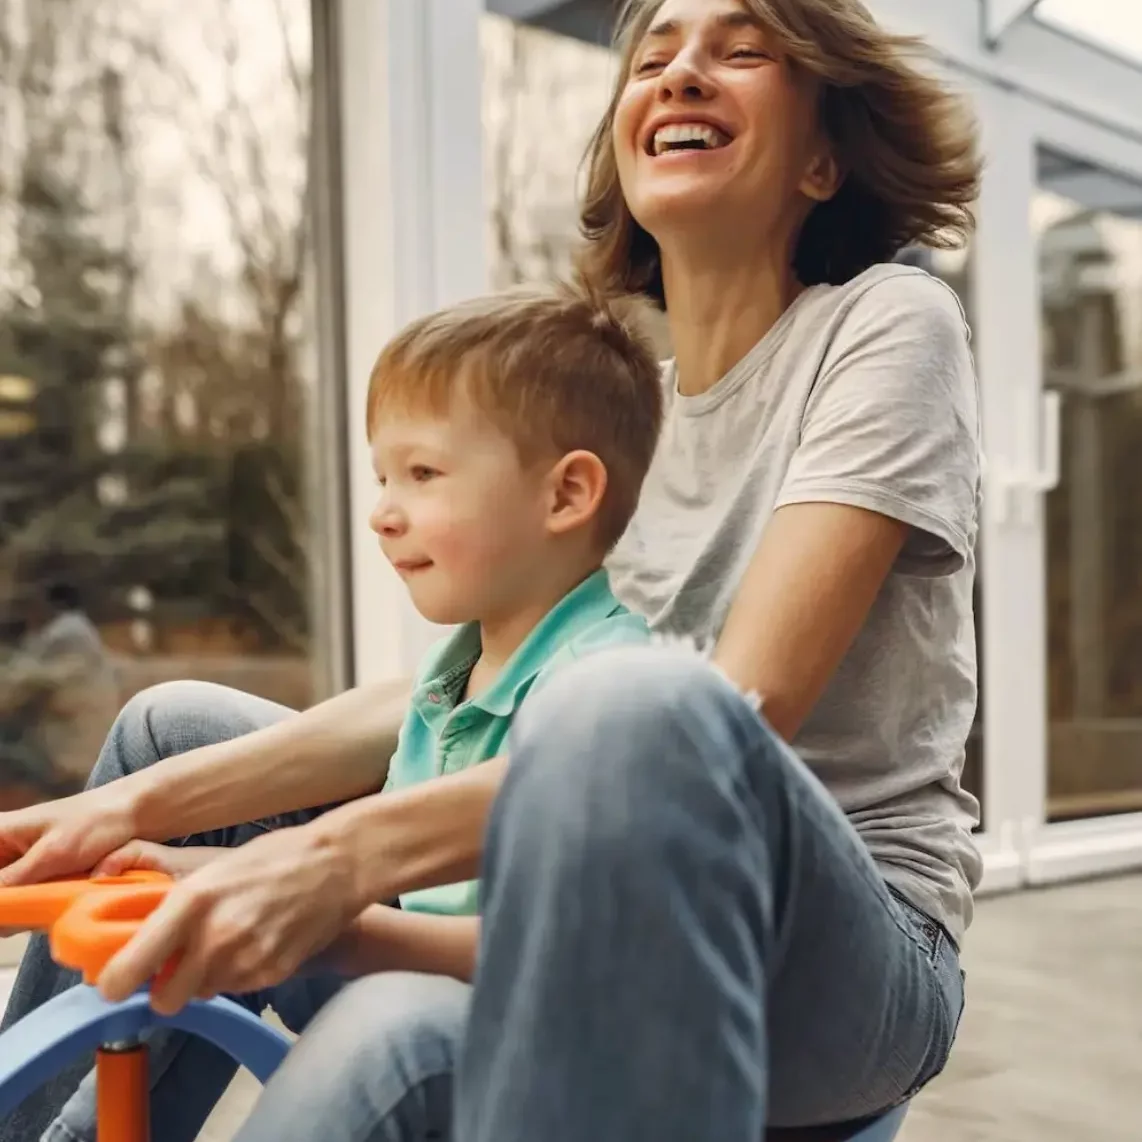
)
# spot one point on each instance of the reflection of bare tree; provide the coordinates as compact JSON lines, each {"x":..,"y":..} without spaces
{"x":179,"y":374}
{"x":504,"y":200}
{"x":229,"y":369}
{"x":542,"y":97}
{"x":232,"y":151}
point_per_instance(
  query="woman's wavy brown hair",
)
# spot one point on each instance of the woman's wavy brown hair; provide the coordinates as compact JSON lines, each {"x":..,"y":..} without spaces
{"x":906,"y":144}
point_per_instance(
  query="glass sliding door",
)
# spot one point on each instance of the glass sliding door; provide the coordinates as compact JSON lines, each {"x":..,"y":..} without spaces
{"x":1088,"y":226}
{"x":158,"y":367}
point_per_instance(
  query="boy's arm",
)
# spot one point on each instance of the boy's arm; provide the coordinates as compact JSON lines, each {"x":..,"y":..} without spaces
{"x":387,"y":939}
{"x":329,"y":753}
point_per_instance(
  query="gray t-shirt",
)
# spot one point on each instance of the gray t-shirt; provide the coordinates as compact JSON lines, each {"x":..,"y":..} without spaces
{"x":862,"y":394}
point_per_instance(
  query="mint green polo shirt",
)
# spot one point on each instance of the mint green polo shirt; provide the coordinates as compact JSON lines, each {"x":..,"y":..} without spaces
{"x":444,"y":734}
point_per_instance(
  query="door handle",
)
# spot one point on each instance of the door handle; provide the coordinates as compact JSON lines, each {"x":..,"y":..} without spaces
{"x":1037,"y":471}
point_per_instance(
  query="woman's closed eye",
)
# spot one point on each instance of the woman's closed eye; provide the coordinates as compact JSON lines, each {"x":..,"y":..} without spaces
{"x":749,"y":54}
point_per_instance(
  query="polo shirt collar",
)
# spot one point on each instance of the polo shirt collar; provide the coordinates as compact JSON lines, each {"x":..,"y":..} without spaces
{"x":579,"y":610}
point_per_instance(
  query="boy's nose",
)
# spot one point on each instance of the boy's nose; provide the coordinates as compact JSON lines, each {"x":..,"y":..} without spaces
{"x":386,"y":519}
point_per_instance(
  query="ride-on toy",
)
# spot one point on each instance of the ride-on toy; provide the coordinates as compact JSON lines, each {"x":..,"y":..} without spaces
{"x":88,"y":921}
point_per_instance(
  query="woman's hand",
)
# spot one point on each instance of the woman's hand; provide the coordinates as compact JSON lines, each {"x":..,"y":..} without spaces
{"x":64,"y":838}
{"x":176,"y":861}
{"x":245,"y":921}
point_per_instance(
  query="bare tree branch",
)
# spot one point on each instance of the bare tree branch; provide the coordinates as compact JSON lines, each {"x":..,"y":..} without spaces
{"x":293,"y":69}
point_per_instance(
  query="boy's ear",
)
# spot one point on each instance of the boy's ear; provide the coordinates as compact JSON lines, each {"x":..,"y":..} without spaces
{"x":575,"y":489}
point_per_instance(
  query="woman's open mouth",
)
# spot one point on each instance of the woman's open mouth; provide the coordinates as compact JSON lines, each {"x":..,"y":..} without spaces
{"x":673,"y":138}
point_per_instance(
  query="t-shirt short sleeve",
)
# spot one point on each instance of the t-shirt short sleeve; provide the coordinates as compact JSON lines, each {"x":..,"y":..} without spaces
{"x":892,"y":423}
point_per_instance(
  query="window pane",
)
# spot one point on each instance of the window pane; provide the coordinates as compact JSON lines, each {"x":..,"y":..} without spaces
{"x":157,"y":365}
{"x":1089,"y":227}
{"x":543,"y":95}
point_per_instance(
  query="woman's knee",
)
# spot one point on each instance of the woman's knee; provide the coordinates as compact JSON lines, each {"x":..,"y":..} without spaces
{"x":173,"y":717}
{"x":635,"y":721}
{"x":383,"y":1049}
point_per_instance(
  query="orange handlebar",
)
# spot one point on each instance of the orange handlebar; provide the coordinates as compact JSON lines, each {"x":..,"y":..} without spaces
{"x":89,"y":920}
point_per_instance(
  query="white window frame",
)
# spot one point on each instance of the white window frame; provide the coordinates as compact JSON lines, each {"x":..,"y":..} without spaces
{"x":414,"y":240}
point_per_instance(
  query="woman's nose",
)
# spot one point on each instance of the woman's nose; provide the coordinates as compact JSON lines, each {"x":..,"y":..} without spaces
{"x":684,"y":78}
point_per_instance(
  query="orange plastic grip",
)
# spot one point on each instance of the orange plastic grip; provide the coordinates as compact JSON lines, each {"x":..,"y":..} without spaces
{"x":88,"y":920}
{"x":101,"y":922}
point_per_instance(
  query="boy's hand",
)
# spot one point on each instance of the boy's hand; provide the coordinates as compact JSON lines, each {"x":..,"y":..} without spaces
{"x":175,"y":861}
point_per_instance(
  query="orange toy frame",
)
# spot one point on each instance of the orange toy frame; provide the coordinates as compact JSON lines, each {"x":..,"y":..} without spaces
{"x":88,"y":921}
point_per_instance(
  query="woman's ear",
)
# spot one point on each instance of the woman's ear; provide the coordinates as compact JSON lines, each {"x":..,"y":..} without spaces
{"x":822,"y":178}
{"x":575,"y":489}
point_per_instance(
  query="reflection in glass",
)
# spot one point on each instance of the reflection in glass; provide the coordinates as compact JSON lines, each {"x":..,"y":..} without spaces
{"x":1088,"y":222}
{"x":156,"y":357}
{"x":544,"y":93}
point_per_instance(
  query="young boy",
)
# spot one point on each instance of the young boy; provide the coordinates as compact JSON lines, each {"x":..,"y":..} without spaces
{"x":510,"y":437}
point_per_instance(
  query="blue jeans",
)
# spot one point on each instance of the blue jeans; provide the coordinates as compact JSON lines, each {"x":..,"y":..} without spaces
{"x":684,"y":939}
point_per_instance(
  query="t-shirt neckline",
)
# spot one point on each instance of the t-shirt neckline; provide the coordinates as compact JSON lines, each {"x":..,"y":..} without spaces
{"x":698,"y":404}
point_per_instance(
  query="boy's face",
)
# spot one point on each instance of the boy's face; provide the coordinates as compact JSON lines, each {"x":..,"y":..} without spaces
{"x":459,"y":517}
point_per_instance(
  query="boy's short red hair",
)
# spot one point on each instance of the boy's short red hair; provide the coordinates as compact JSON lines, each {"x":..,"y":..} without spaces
{"x":555,"y":369}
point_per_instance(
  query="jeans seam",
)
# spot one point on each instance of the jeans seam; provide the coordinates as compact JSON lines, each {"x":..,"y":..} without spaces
{"x":416,"y":1088}
{"x":60,"y":1130}
{"x":150,"y":737}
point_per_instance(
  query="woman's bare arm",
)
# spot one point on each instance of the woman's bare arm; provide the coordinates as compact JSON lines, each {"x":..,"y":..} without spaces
{"x":802,"y":601}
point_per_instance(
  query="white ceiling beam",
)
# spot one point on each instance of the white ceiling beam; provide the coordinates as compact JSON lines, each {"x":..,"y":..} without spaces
{"x":999,"y":16}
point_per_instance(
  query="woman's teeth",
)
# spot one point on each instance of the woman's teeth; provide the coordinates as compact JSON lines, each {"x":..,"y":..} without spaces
{"x":688,"y":137}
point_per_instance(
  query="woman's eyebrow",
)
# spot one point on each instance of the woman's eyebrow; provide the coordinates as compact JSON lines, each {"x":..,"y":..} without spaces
{"x":729,"y":20}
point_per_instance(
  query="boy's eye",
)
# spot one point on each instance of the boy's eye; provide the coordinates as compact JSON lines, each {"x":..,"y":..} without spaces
{"x":421,"y":472}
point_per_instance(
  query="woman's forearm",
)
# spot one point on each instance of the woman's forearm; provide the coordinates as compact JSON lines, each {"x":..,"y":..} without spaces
{"x":387,"y":939}
{"x":420,"y":837}
{"x":331,"y":752}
